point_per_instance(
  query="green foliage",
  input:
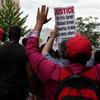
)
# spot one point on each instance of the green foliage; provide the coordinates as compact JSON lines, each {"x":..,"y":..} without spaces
{"x":10,"y":15}
{"x":87,"y":26}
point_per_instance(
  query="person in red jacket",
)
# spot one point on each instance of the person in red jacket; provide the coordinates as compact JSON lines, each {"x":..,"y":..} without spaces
{"x":78,"y":51}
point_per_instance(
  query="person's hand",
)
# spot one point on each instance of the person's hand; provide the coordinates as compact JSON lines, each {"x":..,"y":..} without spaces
{"x":54,"y":32}
{"x":42,"y":15}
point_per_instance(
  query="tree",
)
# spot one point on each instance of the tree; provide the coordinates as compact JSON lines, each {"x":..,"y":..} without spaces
{"x":10,"y":15}
{"x":86,"y":26}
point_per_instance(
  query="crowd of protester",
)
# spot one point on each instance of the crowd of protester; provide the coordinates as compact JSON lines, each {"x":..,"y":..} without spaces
{"x":31,"y":72}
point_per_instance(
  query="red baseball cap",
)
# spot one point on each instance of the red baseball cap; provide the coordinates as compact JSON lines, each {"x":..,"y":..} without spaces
{"x":78,"y":44}
{"x":1,"y":33}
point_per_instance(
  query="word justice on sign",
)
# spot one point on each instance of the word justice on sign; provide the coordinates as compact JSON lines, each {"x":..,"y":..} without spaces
{"x":61,"y":11}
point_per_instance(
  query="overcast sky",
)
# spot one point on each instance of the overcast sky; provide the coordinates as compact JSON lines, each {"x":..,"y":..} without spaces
{"x":82,"y":8}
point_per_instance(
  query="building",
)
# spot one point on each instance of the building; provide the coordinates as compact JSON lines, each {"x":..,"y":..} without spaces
{"x":44,"y":34}
{"x":16,"y":1}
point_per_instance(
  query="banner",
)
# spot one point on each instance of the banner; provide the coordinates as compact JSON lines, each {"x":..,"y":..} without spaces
{"x":65,"y":21}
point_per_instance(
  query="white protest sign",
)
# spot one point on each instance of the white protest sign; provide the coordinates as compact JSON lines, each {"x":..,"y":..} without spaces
{"x":65,"y":21}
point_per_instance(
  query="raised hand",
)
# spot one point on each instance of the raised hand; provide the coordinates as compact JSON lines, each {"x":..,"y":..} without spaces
{"x":54,"y":32}
{"x":41,"y":18}
{"x":42,"y":15}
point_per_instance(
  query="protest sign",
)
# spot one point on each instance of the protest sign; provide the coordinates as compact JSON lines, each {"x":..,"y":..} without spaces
{"x":65,"y":22}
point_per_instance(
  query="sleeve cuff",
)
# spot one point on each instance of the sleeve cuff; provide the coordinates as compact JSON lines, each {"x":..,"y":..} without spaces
{"x":34,"y":33}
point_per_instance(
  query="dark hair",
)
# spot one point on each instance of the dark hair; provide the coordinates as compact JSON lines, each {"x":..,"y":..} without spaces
{"x":14,"y":33}
{"x":97,"y":57}
{"x":42,"y":46}
{"x":57,"y":54}
{"x":79,"y":58}
{"x":62,"y":49}
{"x":24,"y":41}
{"x":51,"y":52}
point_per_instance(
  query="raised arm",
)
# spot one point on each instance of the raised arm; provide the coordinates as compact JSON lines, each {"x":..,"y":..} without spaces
{"x":42,"y":67}
{"x":49,"y":43}
{"x":41,"y":18}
